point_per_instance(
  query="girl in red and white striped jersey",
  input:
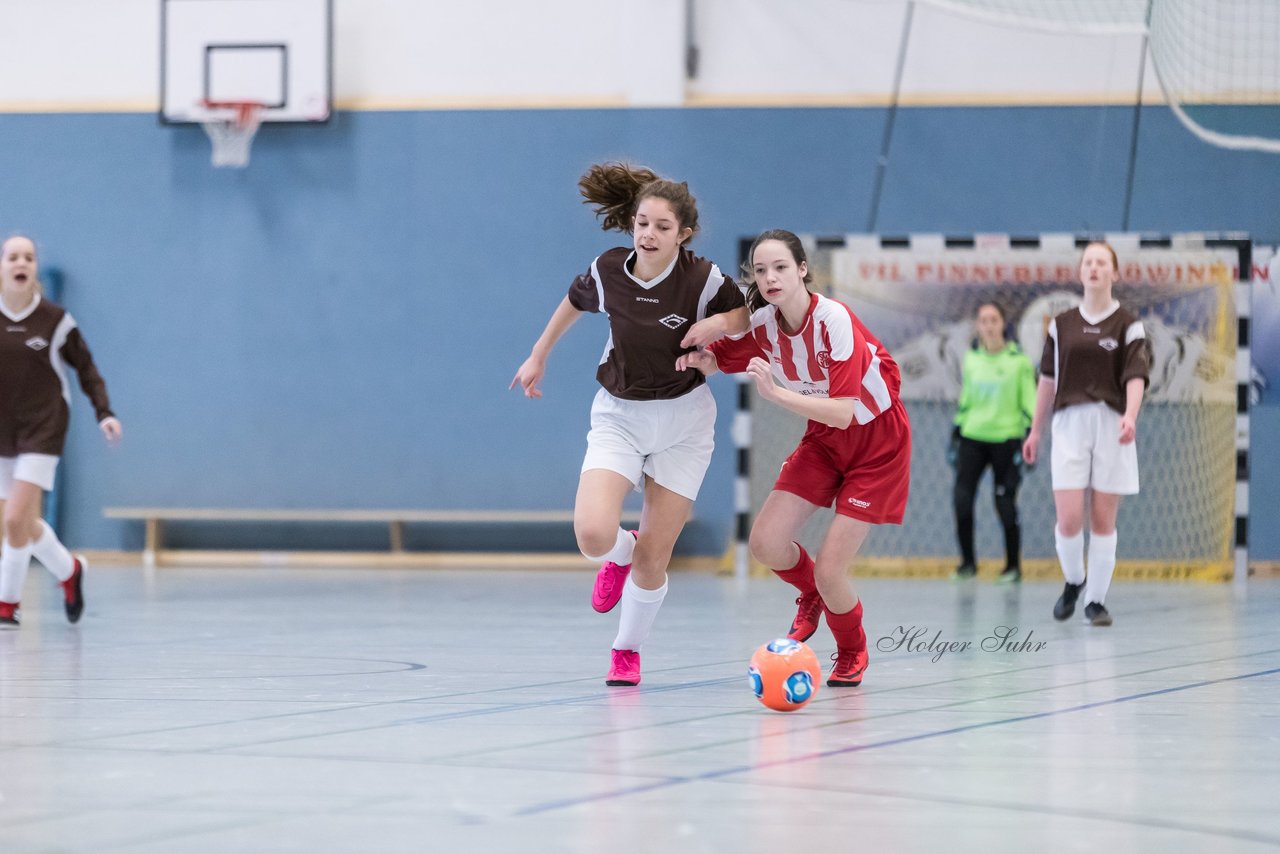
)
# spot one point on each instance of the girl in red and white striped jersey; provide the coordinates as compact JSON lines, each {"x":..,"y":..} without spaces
{"x":811,"y":355}
{"x":652,"y":426}
{"x":39,"y":339}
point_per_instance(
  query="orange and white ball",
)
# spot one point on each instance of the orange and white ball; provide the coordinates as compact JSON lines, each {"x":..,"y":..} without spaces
{"x":785,"y":674}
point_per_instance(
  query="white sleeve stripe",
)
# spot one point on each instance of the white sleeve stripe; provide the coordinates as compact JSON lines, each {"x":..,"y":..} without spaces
{"x":839,"y":326}
{"x":1134,"y":332}
{"x":608,"y":348}
{"x":55,"y":353}
{"x":860,"y":412}
{"x":874,"y":382}
{"x":1053,"y":335}
{"x":595,"y":274}
{"x":709,"y":290}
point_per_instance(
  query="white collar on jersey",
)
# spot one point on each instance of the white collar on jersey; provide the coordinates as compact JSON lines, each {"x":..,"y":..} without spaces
{"x":22,"y":315}
{"x":657,"y":280}
{"x":1094,"y":321}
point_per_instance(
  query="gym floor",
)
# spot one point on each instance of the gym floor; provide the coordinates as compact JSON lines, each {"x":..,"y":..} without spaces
{"x":215,"y":710}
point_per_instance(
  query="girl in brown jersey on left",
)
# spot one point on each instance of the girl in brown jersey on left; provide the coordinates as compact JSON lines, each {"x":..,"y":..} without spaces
{"x":652,"y":427}
{"x":39,"y":337}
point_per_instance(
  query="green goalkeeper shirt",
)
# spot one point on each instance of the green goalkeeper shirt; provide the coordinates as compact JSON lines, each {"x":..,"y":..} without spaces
{"x":997,"y":395}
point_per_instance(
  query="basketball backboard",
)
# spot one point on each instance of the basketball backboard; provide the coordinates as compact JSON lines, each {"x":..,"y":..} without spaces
{"x":278,"y":53}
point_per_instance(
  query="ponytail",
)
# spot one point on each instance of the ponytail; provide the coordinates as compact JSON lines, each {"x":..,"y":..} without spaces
{"x":616,"y":190}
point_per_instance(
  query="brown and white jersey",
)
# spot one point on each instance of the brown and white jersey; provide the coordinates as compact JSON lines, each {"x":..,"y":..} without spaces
{"x":37,"y":345}
{"x":1092,"y":359}
{"x":648,"y":320}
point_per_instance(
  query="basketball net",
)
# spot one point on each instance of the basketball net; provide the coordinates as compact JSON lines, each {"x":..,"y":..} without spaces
{"x":231,"y":132}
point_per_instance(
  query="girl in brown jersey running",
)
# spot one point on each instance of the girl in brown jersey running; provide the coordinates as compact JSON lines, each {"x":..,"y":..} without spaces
{"x":38,"y":340}
{"x":1093,"y":374}
{"x":652,"y":427}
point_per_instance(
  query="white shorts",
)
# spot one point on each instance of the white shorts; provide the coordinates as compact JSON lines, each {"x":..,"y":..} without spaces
{"x":669,"y":440}
{"x":1087,"y":453}
{"x":33,"y":468}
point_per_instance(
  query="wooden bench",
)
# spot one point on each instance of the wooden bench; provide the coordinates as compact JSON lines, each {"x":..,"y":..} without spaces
{"x":155,"y":553}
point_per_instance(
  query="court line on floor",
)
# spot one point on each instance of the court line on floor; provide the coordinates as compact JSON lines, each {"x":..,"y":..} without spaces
{"x":509,"y":707}
{"x":754,"y":710}
{"x":567,"y":803}
{"x":949,"y":705}
{"x":665,"y":779}
{"x":505,"y":708}
{"x":1039,"y":809}
{"x":406,"y":666}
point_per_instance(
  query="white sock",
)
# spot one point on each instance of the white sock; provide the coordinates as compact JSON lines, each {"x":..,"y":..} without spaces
{"x":639,"y":608}
{"x":1070,"y":555}
{"x":1102,"y":565}
{"x":50,"y":551}
{"x":13,"y":571}
{"x":621,"y":552}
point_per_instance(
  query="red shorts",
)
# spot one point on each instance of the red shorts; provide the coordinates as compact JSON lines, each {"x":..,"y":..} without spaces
{"x":865,"y":468}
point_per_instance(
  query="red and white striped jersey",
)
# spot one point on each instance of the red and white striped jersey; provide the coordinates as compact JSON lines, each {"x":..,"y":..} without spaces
{"x":833,"y":355}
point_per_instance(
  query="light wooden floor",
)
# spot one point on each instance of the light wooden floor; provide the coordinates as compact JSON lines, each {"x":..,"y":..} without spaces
{"x":464,"y":710}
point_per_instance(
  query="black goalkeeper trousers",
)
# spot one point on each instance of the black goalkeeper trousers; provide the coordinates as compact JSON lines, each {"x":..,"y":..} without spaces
{"x":972,"y":459}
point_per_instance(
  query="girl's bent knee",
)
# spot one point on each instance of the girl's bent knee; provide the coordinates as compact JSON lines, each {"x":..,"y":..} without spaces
{"x":594,"y":543}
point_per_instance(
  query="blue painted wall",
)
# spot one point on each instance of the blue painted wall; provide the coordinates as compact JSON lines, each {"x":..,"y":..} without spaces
{"x":337,"y":324}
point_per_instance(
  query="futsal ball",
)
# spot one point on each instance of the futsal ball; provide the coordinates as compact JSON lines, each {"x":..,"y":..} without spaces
{"x":785,"y":674}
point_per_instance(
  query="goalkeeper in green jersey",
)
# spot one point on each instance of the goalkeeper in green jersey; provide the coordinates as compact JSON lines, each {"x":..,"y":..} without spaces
{"x":997,"y":401}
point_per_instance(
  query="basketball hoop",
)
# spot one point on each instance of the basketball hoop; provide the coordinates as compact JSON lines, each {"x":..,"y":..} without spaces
{"x":231,"y":130}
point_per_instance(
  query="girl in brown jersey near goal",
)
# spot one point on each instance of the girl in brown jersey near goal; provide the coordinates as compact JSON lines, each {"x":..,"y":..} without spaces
{"x":812,"y":356}
{"x":1093,"y":374}
{"x":38,"y":339}
{"x":652,"y":426}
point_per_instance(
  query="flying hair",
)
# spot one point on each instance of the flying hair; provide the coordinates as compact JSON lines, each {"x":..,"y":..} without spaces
{"x":615,"y":190}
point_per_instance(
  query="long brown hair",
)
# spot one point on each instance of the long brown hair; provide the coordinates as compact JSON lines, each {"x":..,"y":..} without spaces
{"x":616,"y":190}
{"x":756,"y":300}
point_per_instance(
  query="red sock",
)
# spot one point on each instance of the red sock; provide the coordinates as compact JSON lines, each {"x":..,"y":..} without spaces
{"x":847,"y":628}
{"x":68,"y":586}
{"x":799,"y":576}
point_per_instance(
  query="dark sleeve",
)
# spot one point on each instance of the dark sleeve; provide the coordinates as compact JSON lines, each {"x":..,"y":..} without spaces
{"x":76,"y":354}
{"x":583,"y":294}
{"x":728,"y":297}
{"x":1047,"y":366}
{"x":1137,"y":356}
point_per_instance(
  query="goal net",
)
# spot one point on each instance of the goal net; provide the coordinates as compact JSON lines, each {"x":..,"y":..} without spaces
{"x":1218,"y":62}
{"x":920,"y":297}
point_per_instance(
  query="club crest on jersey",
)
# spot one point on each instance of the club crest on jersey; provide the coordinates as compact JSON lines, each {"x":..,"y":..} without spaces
{"x":1108,"y":344}
{"x":671,"y":321}
{"x":37,"y":343}
{"x":824,"y":360}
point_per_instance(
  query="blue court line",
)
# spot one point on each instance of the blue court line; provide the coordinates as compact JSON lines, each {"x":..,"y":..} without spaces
{"x":552,"y":806}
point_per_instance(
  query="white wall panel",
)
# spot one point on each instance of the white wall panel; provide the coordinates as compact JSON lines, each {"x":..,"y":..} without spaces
{"x":104,"y":54}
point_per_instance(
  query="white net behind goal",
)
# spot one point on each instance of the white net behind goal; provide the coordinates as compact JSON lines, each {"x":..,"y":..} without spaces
{"x":921,"y":305}
{"x":1218,"y":62}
